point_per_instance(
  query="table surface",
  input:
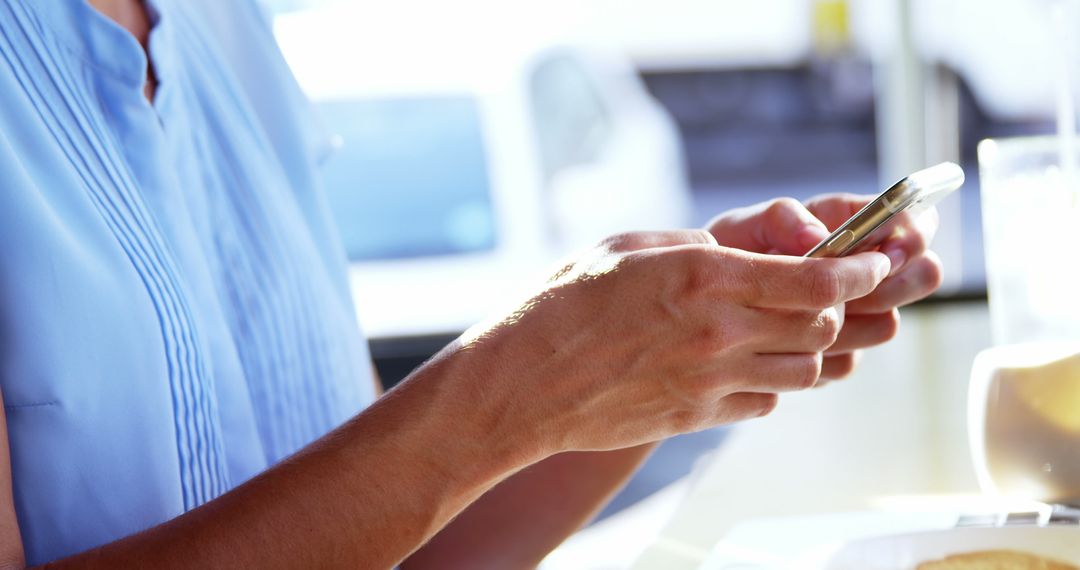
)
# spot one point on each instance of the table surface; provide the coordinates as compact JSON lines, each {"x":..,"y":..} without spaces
{"x":782,"y":543}
{"x":778,"y":543}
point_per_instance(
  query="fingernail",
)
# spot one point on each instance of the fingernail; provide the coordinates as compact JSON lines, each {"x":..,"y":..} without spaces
{"x":897,"y":258}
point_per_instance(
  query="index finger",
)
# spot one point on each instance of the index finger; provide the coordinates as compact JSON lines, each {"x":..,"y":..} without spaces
{"x":907,"y":236}
{"x":782,"y":282}
{"x":835,"y":209}
{"x":782,"y":225}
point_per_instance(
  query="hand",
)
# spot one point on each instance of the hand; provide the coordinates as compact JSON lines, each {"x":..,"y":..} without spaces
{"x":653,"y":334}
{"x":787,"y":227}
{"x":916,"y":273}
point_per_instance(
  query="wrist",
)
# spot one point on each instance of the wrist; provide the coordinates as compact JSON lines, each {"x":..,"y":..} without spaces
{"x":465,"y":403}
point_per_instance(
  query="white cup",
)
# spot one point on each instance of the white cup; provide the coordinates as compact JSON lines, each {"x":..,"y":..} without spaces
{"x":1024,"y":421}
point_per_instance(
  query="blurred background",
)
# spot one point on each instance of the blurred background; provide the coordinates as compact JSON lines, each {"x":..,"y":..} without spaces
{"x":472,"y":144}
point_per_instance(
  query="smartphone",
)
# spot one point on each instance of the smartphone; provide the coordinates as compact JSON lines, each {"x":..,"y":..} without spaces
{"x":869,"y":226}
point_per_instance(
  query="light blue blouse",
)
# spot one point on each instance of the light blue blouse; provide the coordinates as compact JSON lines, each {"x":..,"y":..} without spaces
{"x":174,"y":312}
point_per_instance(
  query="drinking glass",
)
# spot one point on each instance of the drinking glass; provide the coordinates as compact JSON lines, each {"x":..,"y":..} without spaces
{"x":1024,"y":400}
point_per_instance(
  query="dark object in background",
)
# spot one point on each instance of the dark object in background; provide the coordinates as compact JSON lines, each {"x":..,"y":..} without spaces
{"x":396,"y":357}
{"x":771,"y":124}
{"x":755,"y":134}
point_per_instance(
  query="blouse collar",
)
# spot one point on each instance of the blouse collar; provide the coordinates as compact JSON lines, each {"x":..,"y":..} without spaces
{"x":105,"y":44}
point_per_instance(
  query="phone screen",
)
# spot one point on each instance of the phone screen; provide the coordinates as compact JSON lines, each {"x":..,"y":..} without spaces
{"x":874,"y":223}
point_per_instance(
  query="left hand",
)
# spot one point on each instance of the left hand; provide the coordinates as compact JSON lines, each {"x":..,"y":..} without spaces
{"x":785,"y":226}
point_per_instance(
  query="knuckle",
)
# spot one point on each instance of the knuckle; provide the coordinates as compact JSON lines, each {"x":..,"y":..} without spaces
{"x":622,"y":241}
{"x":828,"y":325}
{"x":688,"y":420}
{"x":695,"y":266}
{"x":780,"y":206}
{"x":824,"y":286}
{"x":632,"y":260}
{"x":711,"y":338}
{"x":809,"y":371}
{"x":700,"y":236}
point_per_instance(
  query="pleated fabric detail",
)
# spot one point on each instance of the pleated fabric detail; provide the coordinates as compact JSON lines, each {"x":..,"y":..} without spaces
{"x":61,"y":91}
{"x":273,"y":292}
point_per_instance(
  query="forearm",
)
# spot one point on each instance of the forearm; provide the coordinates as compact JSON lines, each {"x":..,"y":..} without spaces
{"x":365,"y":496}
{"x":526,"y":516}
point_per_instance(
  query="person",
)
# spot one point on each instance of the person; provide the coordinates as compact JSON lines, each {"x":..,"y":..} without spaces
{"x":183,"y":381}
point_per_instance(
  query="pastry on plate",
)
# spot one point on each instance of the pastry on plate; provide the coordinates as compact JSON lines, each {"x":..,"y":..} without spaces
{"x":995,"y":560}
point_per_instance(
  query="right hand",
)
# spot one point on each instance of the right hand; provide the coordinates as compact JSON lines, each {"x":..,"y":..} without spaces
{"x":654,"y":334}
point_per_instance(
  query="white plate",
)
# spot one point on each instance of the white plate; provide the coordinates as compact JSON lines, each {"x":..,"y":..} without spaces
{"x":905,"y":552}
